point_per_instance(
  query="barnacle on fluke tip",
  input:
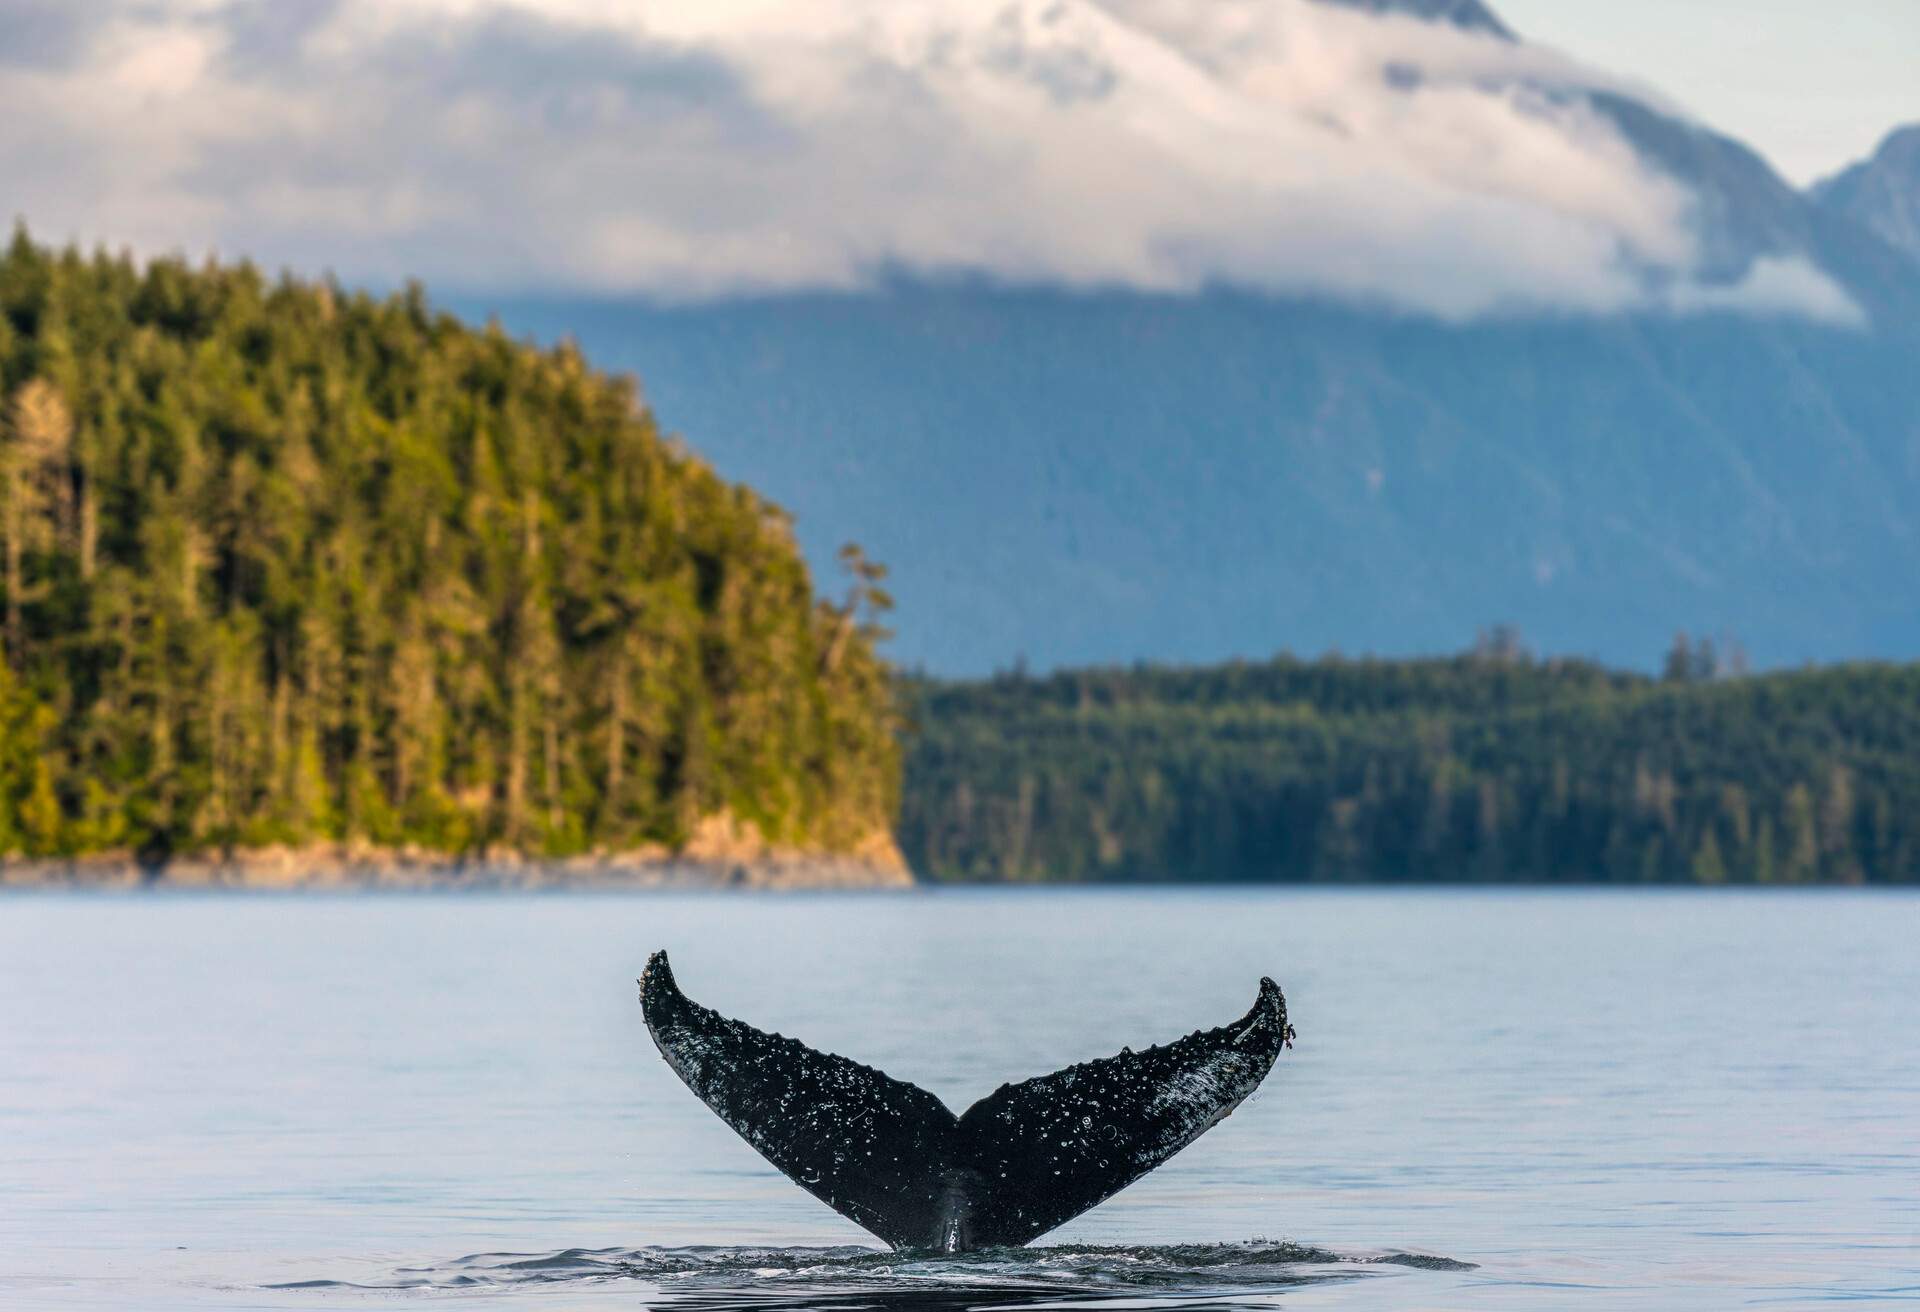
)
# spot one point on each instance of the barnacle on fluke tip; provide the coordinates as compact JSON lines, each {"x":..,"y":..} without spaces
{"x":890,"y":1156}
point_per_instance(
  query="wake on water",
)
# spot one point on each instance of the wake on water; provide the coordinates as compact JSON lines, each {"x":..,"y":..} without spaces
{"x":722,"y":1279}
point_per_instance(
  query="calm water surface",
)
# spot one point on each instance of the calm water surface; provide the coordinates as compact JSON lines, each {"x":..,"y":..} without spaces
{"x":1498,"y":1100}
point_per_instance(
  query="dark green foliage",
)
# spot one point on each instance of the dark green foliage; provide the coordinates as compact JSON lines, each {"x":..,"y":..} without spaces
{"x":285,"y":564}
{"x":1488,"y":767}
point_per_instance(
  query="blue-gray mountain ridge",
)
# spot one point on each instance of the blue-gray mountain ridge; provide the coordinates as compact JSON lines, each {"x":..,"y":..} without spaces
{"x":1882,"y":193}
{"x":1062,"y":477}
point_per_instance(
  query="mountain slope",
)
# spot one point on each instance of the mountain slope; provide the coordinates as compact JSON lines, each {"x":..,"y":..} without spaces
{"x":1882,"y":194}
{"x":1104,"y":478}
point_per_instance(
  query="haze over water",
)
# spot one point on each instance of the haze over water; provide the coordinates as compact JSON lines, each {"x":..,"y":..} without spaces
{"x":1672,"y":1099}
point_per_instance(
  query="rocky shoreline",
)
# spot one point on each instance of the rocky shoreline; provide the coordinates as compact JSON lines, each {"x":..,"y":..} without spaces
{"x":721,"y":854}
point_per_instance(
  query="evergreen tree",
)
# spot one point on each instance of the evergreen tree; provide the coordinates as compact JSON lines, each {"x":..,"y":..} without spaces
{"x":1493,"y":765}
{"x":284,"y":564}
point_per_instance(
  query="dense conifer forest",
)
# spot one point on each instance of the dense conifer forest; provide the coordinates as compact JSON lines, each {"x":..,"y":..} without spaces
{"x":284,"y":564}
{"x":1490,"y":766}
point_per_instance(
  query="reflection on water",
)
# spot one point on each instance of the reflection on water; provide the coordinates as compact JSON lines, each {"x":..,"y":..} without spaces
{"x":719,"y":1279}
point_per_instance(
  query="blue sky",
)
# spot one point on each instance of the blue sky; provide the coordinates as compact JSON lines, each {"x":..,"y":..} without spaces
{"x":1812,"y":86}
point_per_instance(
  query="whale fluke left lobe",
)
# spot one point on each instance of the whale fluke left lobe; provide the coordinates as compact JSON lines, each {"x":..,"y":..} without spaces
{"x":855,"y":1139}
{"x":890,"y":1156}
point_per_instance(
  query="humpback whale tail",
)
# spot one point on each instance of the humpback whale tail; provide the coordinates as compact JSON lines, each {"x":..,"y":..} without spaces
{"x":890,"y":1157}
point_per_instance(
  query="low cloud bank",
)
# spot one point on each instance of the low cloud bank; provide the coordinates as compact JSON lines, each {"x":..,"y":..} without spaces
{"x":741,"y":146}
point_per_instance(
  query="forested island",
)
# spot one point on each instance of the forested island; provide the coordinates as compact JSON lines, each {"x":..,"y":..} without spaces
{"x":292,"y":569}
{"x":1491,"y":766}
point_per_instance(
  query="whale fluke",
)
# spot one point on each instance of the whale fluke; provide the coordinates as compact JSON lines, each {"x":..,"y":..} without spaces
{"x":890,"y":1157}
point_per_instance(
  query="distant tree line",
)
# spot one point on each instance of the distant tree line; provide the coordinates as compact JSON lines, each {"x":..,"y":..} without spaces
{"x":284,"y":564}
{"x":1490,"y":766}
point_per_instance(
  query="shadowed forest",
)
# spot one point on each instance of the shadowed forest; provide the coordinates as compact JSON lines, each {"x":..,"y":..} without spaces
{"x":1490,"y":766}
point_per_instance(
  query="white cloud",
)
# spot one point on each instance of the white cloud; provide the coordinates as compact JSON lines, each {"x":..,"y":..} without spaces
{"x":1777,"y":285}
{"x":687,"y":149}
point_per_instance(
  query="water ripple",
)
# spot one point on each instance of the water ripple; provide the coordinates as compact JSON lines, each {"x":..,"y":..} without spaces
{"x":734,"y":1279}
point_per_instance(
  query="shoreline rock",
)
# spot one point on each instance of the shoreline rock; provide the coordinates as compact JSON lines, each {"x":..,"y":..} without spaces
{"x":721,"y":854}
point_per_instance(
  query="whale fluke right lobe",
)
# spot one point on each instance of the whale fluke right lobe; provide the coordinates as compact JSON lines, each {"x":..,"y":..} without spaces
{"x":890,"y":1156}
